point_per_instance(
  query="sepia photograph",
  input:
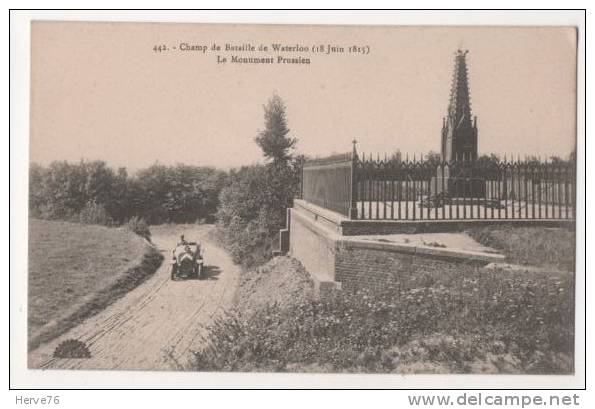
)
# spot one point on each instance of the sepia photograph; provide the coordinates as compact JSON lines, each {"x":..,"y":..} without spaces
{"x":302,"y":198}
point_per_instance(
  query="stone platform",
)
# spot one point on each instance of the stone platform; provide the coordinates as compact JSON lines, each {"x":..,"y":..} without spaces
{"x":336,"y":261}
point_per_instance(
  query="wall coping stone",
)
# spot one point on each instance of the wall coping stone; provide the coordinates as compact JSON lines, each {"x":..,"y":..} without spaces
{"x":340,"y":241}
{"x":348,"y":227}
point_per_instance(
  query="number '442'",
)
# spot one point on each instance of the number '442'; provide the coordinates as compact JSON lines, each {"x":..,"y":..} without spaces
{"x":159,"y":48}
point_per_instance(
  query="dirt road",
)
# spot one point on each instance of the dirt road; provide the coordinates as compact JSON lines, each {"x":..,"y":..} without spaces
{"x":156,"y":325}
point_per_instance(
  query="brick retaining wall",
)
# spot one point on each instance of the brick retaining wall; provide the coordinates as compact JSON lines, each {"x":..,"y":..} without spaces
{"x":357,"y":268}
{"x":336,"y":261}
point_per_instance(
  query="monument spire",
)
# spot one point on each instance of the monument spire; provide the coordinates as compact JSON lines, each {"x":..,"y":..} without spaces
{"x":459,"y":107}
{"x":459,"y":130}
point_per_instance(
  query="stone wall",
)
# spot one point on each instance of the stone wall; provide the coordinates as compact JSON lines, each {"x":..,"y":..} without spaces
{"x":312,"y":246}
{"x":364,"y":227}
{"x":340,"y":262}
{"x":344,"y":226}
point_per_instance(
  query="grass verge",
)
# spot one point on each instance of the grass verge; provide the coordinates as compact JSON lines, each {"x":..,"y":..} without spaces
{"x":77,"y":270}
{"x":466,"y":321}
{"x":535,"y":246}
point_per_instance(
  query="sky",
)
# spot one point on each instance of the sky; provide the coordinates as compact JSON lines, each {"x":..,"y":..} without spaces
{"x":100,"y":91}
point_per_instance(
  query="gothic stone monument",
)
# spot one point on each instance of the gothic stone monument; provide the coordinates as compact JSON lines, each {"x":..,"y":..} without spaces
{"x":459,"y":141}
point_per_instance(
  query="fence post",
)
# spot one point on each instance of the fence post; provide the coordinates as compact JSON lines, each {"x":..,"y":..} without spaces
{"x":302,"y":178}
{"x":353,"y":187}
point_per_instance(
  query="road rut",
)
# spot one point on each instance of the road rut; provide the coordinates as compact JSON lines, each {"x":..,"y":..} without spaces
{"x":158,"y":324}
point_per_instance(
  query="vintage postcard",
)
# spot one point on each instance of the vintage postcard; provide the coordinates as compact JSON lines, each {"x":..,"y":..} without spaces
{"x":302,"y":198}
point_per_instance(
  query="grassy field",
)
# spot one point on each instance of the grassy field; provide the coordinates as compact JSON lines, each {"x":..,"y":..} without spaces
{"x":533,"y":246}
{"x":76,"y":270}
{"x":469,"y":321}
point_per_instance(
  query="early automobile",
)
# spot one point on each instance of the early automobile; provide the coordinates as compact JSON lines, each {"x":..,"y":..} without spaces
{"x":187,"y":260}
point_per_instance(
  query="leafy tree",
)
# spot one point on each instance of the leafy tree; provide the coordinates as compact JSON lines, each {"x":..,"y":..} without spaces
{"x":254,"y":202}
{"x":36,"y":192}
{"x":273,"y":140}
{"x":491,"y":158}
{"x":433,"y":158}
{"x":119,"y":206}
{"x":556,"y":159}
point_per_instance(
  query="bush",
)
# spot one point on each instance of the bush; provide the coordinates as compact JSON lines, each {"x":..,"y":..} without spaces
{"x":512,"y":322}
{"x":72,"y":348}
{"x":94,"y":213}
{"x":139,"y":226}
{"x":253,"y":208}
{"x":254,"y":202}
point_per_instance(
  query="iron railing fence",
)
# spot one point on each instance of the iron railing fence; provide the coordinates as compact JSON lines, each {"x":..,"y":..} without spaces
{"x":425,"y":190}
{"x":393,"y":189}
{"x":327,"y":182}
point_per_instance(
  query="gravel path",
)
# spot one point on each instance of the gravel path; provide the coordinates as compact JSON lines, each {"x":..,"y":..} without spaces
{"x":156,"y":325}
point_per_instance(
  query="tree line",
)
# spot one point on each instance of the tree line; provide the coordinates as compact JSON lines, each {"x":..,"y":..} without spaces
{"x":248,"y":204}
{"x":92,"y":192}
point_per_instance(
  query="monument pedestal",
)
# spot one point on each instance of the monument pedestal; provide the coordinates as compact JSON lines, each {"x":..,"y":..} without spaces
{"x":446,"y":185}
